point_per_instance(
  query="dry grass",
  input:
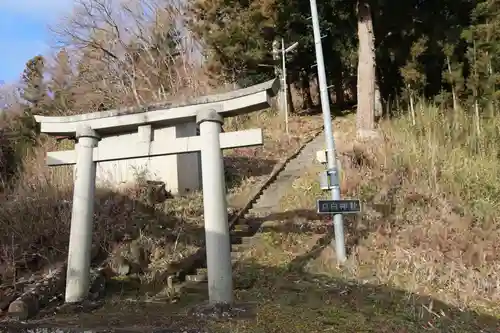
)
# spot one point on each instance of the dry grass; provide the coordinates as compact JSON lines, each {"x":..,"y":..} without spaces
{"x":423,"y":255}
{"x":35,"y":220}
{"x":35,"y":228}
{"x":429,"y":225}
{"x":36,"y":217}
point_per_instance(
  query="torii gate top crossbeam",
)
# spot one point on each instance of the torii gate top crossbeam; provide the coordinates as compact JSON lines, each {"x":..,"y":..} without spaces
{"x":229,"y":104}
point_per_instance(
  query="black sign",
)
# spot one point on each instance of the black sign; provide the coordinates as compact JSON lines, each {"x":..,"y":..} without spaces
{"x":338,"y":206}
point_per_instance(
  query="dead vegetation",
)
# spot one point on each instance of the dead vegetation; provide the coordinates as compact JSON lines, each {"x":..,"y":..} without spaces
{"x":121,"y":61}
{"x":127,"y":54}
{"x":136,"y":240}
{"x":422,"y":256}
{"x":113,"y":54}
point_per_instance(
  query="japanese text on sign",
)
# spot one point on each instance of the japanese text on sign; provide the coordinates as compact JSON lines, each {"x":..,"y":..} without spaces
{"x":338,"y":206}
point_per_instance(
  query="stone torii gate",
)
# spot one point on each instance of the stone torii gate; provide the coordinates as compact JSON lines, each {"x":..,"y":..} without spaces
{"x":162,"y":122}
{"x":91,"y":130}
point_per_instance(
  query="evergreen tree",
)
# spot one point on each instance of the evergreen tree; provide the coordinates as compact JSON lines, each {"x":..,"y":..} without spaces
{"x":232,"y":33}
{"x":34,"y":90}
{"x":413,"y":73}
{"x":34,"y":93}
{"x":483,"y":54}
{"x":60,"y":85}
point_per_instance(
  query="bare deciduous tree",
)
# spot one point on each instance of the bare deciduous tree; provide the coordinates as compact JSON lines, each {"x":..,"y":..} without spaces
{"x":9,"y":98}
{"x":131,"y":51}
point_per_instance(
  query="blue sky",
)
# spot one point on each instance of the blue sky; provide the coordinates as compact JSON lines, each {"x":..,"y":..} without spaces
{"x":23,"y":32}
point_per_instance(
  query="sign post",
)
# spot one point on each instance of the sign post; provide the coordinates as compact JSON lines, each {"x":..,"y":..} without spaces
{"x":333,"y":172}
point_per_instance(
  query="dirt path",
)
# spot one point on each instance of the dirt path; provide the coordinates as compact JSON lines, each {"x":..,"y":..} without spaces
{"x":269,"y":201}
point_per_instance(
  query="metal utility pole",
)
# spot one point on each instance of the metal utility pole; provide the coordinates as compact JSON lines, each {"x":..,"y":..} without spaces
{"x":277,"y":73}
{"x":285,"y":87}
{"x":285,"y":96}
{"x":332,"y":172}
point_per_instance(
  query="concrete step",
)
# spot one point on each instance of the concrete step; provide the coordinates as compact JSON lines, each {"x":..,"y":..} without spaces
{"x":196,"y":278}
{"x":241,"y":228}
{"x":238,"y":247}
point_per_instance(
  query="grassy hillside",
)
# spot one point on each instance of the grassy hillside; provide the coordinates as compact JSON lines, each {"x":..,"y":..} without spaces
{"x":423,"y":254}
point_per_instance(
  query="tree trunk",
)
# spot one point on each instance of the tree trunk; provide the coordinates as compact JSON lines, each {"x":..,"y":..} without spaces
{"x":379,"y":109}
{"x":307,"y":102}
{"x":366,"y":71}
{"x":339,"y":89}
{"x":291,"y":108}
{"x":338,"y":80}
{"x":318,"y":87}
{"x":351,"y":84}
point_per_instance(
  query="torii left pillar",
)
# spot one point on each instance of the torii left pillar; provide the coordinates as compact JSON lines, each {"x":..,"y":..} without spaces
{"x":80,"y":239}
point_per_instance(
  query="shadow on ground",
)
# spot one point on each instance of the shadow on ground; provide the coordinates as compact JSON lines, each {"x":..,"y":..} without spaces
{"x":309,"y":221}
{"x":291,"y":300}
{"x":287,"y":299}
{"x":282,"y":298}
